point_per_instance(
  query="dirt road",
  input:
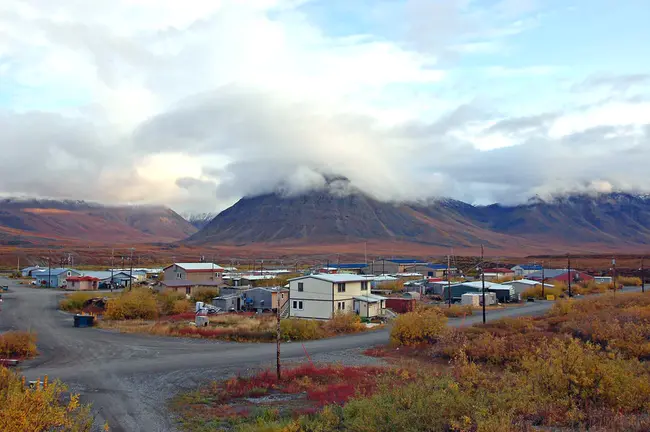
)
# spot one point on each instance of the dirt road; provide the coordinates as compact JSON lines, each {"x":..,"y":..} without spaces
{"x":129,"y":378}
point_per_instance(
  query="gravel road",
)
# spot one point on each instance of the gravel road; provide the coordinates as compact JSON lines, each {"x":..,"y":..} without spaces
{"x":129,"y":378}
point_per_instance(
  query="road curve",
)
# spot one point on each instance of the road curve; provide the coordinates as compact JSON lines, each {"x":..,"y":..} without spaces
{"x":129,"y":377}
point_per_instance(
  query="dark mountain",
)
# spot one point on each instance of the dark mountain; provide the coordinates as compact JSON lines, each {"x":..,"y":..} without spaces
{"x":199,"y":220}
{"x":604,"y":220}
{"x":30,"y":221}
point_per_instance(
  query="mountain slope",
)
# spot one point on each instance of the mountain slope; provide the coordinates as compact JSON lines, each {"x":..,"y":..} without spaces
{"x":32,"y":221}
{"x":322,"y":217}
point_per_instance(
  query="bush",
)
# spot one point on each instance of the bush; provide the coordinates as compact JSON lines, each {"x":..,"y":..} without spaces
{"x":134,"y":304}
{"x":591,"y":287}
{"x":343,"y":323}
{"x":17,"y":344}
{"x":167,"y":301}
{"x":300,"y":329}
{"x":74,"y":302}
{"x":536,"y":292}
{"x":181,"y":306}
{"x":457,"y":311}
{"x":205,"y":295}
{"x":628,"y":281}
{"x":395,"y":286}
{"x":420,"y":326}
{"x":40,"y":409}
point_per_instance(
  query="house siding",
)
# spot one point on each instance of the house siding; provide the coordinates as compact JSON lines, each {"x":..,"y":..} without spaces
{"x":195,"y":276}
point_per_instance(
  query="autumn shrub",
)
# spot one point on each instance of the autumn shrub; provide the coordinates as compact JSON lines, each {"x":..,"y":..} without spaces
{"x":301,"y":329}
{"x":75,"y":301}
{"x":343,"y":322}
{"x":40,"y":409}
{"x":395,"y":286}
{"x":590,"y":287}
{"x":420,"y":326}
{"x":457,"y":311}
{"x":628,"y":281}
{"x":134,"y":304}
{"x":205,"y":295}
{"x":166,"y":301}
{"x":536,"y":292}
{"x":17,"y":344}
{"x":576,"y":378}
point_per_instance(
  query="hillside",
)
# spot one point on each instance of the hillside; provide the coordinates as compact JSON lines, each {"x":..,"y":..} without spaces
{"x":600,"y":222}
{"x":26,"y":221}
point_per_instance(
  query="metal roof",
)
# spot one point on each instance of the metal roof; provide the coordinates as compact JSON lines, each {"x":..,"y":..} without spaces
{"x":406,"y":261}
{"x":529,"y":266}
{"x":349,"y":266}
{"x":103,"y":275}
{"x":186,"y":283}
{"x":530,"y":282}
{"x":53,"y":271}
{"x":334,"y":278}
{"x":549,"y":273}
{"x":438,"y":266}
{"x":197,"y":266}
{"x":27,"y":269}
{"x":370,"y":298}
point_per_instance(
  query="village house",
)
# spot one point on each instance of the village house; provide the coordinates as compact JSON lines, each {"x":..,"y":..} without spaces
{"x":526,"y":269}
{"x":320,"y":296}
{"x":117,"y":278}
{"x":352,"y":268}
{"x":82,"y":283}
{"x":189,"y":287}
{"x":522,"y":285}
{"x":53,"y":277}
{"x":195,"y":272}
{"x":27,"y":271}
{"x":498,"y":273}
{"x":252,"y":299}
{"x":397,"y":266}
{"x":560,"y":275}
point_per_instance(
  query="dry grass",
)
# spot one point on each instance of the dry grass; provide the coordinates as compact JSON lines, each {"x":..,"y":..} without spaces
{"x":17,"y":344}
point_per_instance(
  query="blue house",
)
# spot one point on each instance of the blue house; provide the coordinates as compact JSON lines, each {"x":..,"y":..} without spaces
{"x":53,"y":277}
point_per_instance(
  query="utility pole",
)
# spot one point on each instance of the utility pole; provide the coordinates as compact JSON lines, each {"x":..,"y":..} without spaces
{"x":365,"y":253}
{"x":568,"y":258}
{"x":131,"y":271}
{"x":614,"y":273}
{"x":448,"y":282}
{"x":543,"y":278}
{"x":49,"y":268}
{"x":112,"y":268}
{"x":483,"y":284}
{"x":277,"y":337}
{"x":642,"y":275}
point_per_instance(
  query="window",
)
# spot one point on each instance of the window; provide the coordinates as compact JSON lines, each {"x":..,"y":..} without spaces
{"x":297,"y":305}
{"x":300,"y":305}
{"x":364,"y":286}
{"x":341,"y":287}
{"x":341,"y":306}
{"x":188,"y":290}
{"x":301,"y":287}
{"x":179,"y":275}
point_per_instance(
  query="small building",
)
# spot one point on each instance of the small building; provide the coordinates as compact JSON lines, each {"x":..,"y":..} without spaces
{"x":188,"y":287}
{"x":369,"y":305}
{"x":603,"y":279}
{"x":560,"y":275}
{"x":438,"y":270}
{"x":265,"y":298}
{"x":352,"y":268}
{"x":54,"y":277}
{"x":497,"y":273}
{"x":27,"y":271}
{"x":400,"y":304}
{"x":398,"y":266}
{"x":320,"y":296}
{"x":117,"y":278}
{"x":195,"y":272}
{"x":526,"y":269}
{"x":228,"y":303}
{"x":82,"y":283}
{"x":522,"y":285}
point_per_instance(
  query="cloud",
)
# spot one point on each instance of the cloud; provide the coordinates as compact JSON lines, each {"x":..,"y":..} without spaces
{"x":194,"y":104}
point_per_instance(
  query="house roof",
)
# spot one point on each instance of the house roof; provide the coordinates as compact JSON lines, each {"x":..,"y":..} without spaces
{"x":53,"y":271}
{"x":103,"y":275}
{"x":28,"y":269}
{"x":497,"y":270}
{"x":478,"y":284}
{"x":529,"y":266}
{"x":82,"y":278}
{"x":549,"y":273}
{"x":348,"y":266}
{"x":187,"y":283}
{"x":370,"y":298}
{"x":406,"y":261}
{"x":530,"y":282}
{"x":334,"y":278}
{"x":191,"y":267}
{"x":437,"y":266}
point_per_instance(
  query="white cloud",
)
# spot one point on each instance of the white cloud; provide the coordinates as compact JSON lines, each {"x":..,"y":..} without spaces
{"x":193,"y":104}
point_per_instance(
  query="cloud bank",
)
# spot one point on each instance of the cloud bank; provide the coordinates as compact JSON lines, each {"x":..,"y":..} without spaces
{"x":195,"y":104}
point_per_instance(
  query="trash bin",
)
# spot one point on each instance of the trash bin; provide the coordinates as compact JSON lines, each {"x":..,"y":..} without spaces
{"x":84,"y":320}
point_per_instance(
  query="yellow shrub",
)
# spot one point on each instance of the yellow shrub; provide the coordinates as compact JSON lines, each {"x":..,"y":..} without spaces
{"x":628,"y":281}
{"x":301,"y":329}
{"x":167,"y":301}
{"x":343,"y":323}
{"x":421,"y":326}
{"x":205,"y":295}
{"x":17,"y":344}
{"x":135,"y":304}
{"x":75,"y":301}
{"x":536,"y":292}
{"x":457,"y":311}
{"x":40,"y":409}
{"x":181,"y":306}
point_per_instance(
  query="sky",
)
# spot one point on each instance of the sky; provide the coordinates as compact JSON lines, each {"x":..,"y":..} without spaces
{"x":195,"y":104}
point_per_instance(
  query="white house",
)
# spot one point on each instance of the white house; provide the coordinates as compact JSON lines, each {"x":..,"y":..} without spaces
{"x":320,"y":296}
{"x":522,"y":285}
{"x":526,"y":269}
